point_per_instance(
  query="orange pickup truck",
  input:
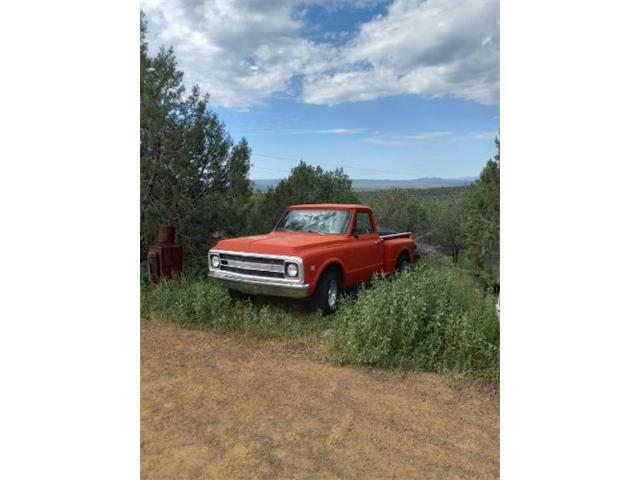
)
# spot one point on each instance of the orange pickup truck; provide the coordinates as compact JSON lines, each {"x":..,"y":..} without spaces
{"x":313,"y":252}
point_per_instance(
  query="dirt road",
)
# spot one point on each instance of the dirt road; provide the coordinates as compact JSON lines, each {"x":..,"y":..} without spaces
{"x":216,"y":406}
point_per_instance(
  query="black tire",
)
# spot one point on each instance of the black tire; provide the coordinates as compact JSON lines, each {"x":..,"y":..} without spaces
{"x":237,"y":295}
{"x":402,"y":264}
{"x":325,"y":297}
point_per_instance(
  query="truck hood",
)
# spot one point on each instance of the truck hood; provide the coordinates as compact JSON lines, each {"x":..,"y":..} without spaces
{"x":280,"y":243}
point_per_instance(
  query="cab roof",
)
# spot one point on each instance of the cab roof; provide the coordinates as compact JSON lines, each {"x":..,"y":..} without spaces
{"x":331,"y":206}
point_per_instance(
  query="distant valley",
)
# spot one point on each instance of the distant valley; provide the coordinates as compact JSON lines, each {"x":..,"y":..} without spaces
{"x":360,"y":184}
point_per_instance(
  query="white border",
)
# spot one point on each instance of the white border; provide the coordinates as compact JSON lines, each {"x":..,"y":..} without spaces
{"x":69,"y":345}
{"x":570,"y":326}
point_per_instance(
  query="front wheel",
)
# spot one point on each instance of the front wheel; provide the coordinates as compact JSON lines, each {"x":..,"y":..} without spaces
{"x":326,"y":295}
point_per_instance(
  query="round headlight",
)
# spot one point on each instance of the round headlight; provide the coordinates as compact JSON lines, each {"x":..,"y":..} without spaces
{"x":292,"y":270}
{"x":215,"y":261}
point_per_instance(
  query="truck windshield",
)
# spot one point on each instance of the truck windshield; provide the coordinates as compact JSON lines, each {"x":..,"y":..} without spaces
{"x":317,"y":221}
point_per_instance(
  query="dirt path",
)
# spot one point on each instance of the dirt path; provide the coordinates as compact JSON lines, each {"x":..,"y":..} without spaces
{"x":214,"y":406}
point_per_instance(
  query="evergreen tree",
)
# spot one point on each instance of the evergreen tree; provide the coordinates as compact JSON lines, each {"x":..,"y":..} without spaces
{"x":240,"y":188}
{"x":448,"y":229}
{"x":398,"y":210}
{"x":189,"y":166}
{"x":305,"y":184}
{"x":482,"y":223}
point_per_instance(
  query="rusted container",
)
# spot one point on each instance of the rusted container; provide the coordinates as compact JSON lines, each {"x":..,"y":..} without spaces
{"x":166,"y":235}
{"x":164,"y":259}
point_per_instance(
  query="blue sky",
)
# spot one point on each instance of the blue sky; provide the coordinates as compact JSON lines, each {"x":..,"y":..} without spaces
{"x":384,"y":89}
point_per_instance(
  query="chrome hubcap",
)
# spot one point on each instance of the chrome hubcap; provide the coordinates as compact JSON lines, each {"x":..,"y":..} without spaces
{"x":332,"y":297}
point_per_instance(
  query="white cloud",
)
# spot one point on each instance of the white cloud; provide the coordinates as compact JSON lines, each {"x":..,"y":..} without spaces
{"x":310,"y":131}
{"x":239,"y":51}
{"x":392,"y":139}
{"x":242,"y":51}
{"x":483,"y":135}
{"x":434,"y":48}
{"x":330,"y":131}
{"x":401,"y":139}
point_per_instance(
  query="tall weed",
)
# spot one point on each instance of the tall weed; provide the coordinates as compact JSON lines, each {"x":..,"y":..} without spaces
{"x":430,"y":318}
{"x":192,"y":301}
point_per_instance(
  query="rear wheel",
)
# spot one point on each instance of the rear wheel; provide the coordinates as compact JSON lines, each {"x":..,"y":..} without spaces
{"x":326,"y":295}
{"x":402,"y":264}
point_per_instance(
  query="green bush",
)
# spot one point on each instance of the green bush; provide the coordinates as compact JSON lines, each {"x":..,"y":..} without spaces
{"x":200,"y":302}
{"x":188,"y":301}
{"x":430,"y":318}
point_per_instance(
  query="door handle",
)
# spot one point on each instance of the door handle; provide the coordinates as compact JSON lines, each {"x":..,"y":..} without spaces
{"x":379,"y":241}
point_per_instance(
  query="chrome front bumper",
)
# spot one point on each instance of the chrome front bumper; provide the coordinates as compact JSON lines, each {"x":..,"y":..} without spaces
{"x":259,"y":286}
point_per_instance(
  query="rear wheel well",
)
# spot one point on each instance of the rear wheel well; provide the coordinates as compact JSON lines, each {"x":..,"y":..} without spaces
{"x":404,"y":252}
{"x":402,"y":261}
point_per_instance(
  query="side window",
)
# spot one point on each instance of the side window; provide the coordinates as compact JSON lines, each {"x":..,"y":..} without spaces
{"x":363,"y":224}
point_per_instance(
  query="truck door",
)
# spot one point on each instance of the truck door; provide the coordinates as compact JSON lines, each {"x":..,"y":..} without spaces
{"x":367,"y":250}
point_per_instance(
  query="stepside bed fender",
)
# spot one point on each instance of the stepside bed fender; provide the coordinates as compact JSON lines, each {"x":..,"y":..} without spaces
{"x":393,"y":248}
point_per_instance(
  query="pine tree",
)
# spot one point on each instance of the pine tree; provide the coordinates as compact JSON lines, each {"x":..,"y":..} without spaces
{"x":189,"y":166}
{"x":305,"y":184}
{"x":482,"y":223}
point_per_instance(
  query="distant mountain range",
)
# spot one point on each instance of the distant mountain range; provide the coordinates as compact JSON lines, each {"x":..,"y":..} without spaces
{"x":361,"y":184}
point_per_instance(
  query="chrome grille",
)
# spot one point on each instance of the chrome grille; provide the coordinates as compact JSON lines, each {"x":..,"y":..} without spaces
{"x":252,"y":265}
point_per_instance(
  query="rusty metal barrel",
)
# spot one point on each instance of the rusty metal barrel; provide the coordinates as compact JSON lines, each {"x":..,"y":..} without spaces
{"x":166,"y":234}
{"x":165,"y":258}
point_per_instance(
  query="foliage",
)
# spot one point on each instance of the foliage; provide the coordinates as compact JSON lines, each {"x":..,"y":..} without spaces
{"x":397,"y":210}
{"x":433,"y":218}
{"x":192,"y":176}
{"x":192,"y":301}
{"x":448,"y":228}
{"x":305,"y":184}
{"x":462,"y":222}
{"x":428,"y":195}
{"x":432,"y":318}
{"x":482,"y":223}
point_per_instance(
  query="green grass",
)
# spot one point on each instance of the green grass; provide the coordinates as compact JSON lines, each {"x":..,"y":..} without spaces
{"x":198,"y":302}
{"x":431,"y":318}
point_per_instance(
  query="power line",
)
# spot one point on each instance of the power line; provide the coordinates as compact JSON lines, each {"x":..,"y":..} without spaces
{"x":270,"y":169}
{"x":276,"y":157}
{"x":335,"y":166}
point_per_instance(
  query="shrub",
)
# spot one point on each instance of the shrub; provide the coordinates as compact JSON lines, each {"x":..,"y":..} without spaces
{"x":431,"y":318}
{"x":195,"y":301}
{"x":188,"y":301}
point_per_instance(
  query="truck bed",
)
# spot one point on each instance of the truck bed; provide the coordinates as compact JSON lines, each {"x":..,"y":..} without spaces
{"x":387,"y":235}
